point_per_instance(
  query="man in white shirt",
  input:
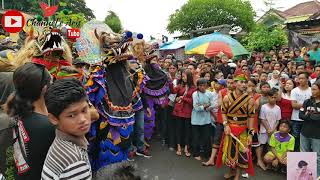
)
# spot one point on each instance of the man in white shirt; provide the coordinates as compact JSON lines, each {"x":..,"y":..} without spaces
{"x":298,"y":96}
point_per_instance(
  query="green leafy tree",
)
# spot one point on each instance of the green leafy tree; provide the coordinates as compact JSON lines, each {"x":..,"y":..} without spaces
{"x":29,"y":6}
{"x":263,"y":38}
{"x":197,"y":14}
{"x":76,"y":7}
{"x":113,"y":21}
{"x":73,"y":20}
{"x":33,"y":7}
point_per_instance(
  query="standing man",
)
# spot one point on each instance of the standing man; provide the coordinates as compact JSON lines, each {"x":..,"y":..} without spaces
{"x":238,"y":117}
{"x":315,"y":53}
{"x":298,"y":96}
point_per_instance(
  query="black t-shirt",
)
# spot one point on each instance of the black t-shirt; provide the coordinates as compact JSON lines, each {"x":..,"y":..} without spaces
{"x":311,"y":124}
{"x":41,"y":134}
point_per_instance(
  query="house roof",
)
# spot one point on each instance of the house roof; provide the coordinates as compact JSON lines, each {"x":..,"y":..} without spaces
{"x":271,"y":12}
{"x":280,"y":13}
{"x":306,"y":8}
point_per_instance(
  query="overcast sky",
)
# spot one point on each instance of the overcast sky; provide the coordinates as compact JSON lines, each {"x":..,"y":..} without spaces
{"x":150,"y":17}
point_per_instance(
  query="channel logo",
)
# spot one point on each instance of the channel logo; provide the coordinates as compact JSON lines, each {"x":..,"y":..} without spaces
{"x":12,"y":21}
{"x":73,"y":33}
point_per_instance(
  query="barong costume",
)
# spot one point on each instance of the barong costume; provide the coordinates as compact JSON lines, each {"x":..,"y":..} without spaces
{"x":111,"y":90}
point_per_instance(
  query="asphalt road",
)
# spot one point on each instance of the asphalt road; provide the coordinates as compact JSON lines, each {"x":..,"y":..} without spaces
{"x":165,"y":165}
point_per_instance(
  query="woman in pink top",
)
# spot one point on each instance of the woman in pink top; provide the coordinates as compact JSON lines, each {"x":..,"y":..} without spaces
{"x":285,"y":100}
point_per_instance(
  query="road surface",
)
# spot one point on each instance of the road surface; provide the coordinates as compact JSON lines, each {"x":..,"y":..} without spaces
{"x":165,"y":165}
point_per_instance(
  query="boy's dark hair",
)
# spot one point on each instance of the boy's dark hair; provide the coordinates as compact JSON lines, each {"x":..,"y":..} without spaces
{"x":272,"y":92}
{"x":202,"y":81}
{"x":302,"y":163}
{"x":305,"y":73}
{"x":253,"y":81}
{"x":264,"y":83}
{"x":230,"y":76}
{"x":178,"y":61}
{"x":62,"y":93}
{"x":194,"y":65}
{"x":284,"y":122}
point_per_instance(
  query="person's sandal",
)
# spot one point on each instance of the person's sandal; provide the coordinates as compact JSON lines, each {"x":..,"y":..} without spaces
{"x":187,"y":154}
{"x":206,"y":164}
{"x":229,"y":175}
{"x":179,"y":153}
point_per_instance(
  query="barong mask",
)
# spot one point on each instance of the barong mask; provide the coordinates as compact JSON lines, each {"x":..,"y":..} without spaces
{"x":50,"y":43}
{"x":47,"y":45}
{"x":114,"y":47}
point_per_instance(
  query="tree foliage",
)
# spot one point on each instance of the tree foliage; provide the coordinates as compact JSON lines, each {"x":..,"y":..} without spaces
{"x":73,"y":20}
{"x":263,"y":38}
{"x":29,"y":6}
{"x":32,"y":6}
{"x":113,"y":21}
{"x":198,"y":14}
{"x":77,"y":7}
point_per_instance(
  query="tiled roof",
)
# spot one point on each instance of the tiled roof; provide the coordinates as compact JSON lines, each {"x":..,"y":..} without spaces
{"x":310,"y":7}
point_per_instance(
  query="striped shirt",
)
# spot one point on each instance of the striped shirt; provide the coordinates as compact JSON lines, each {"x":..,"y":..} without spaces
{"x":67,"y":158}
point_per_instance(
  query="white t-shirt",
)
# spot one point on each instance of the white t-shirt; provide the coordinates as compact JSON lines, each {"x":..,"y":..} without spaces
{"x":300,"y":96}
{"x":271,"y":114}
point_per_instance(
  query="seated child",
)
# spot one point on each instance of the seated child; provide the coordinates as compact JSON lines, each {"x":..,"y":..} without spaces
{"x":281,"y":142}
{"x":68,"y":109}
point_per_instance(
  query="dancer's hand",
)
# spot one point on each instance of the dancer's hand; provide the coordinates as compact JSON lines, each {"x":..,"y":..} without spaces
{"x":148,"y":112}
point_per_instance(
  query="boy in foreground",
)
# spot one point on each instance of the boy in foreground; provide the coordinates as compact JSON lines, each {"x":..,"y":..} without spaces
{"x":68,"y":109}
{"x":281,"y":142}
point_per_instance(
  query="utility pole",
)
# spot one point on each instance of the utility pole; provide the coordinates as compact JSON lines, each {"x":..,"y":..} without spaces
{"x":2,"y":4}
